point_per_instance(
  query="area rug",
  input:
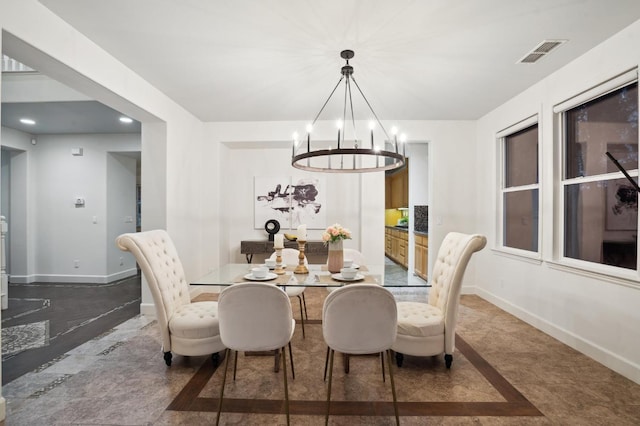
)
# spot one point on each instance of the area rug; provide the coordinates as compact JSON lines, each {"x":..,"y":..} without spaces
{"x":425,"y":387}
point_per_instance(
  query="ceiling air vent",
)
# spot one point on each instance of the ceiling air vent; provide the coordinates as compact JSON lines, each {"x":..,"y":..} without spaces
{"x":540,"y":51}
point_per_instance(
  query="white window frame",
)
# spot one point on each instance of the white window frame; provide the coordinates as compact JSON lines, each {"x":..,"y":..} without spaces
{"x":501,"y":190}
{"x":614,"y":274}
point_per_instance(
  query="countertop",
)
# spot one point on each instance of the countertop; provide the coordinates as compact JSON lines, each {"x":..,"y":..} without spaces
{"x":403,"y":229}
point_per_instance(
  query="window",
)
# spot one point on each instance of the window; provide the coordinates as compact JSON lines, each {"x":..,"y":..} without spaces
{"x":600,"y":206}
{"x":520,"y":187}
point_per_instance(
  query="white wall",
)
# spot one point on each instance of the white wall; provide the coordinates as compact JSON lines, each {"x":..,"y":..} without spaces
{"x":592,"y":313}
{"x":63,"y":233}
{"x":21,"y":219}
{"x":171,"y":137}
{"x":419,"y":183}
{"x":246,"y":150}
{"x":121,"y":212}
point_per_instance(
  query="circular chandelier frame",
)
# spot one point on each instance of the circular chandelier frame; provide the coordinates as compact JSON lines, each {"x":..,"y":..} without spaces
{"x":355,"y":158}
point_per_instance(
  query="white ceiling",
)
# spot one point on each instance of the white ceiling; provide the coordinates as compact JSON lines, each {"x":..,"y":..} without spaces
{"x":246,"y":60}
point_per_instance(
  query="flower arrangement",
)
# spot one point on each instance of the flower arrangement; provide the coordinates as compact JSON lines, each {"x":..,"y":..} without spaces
{"x":335,"y":233}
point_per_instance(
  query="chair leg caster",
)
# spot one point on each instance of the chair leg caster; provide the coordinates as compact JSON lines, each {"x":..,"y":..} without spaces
{"x":448,"y":359}
{"x":399,"y":359}
{"x":215,"y":358}
{"x":167,"y":358}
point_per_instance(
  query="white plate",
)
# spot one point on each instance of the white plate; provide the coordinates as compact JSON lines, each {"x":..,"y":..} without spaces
{"x":339,"y":277}
{"x":270,"y":276}
{"x":354,"y":266}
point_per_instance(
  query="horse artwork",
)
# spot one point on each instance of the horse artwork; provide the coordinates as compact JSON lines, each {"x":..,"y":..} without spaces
{"x":289,"y":203}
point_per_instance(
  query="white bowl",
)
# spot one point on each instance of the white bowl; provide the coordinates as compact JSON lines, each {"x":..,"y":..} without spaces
{"x":270,"y":263}
{"x":259,"y":272}
{"x":347,"y":263}
{"x":348,"y":273}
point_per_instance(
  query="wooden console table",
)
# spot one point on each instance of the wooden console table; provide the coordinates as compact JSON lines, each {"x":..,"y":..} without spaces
{"x":251,"y":247}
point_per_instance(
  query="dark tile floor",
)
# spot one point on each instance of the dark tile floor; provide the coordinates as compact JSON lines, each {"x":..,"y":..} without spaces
{"x":45,"y":320}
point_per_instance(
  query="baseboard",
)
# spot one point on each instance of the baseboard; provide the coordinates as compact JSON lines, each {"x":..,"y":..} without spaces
{"x":604,"y":356}
{"x":120,"y":275}
{"x":3,"y":408}
{"x":22,"y":279}
{"x":148,"y":310}
{"x":90,"y":279}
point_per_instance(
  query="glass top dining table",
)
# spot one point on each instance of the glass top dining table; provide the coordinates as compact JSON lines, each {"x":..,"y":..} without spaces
{"x":318,"y":276}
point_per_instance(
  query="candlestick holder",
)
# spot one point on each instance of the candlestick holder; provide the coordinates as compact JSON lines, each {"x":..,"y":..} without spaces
{"x":279,"y":269}
{"x":301,"y":268}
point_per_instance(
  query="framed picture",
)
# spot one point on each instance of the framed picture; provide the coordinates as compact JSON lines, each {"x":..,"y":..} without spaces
{"x":622,"y":206}
{"x":308,"y":201}
{"x":272,"y":200}
{"x":290,"y":202}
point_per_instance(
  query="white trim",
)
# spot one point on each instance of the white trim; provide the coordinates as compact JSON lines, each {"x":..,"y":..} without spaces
{"x":621,"y":276}
{"x":60,"y":278}
{"x":520,"y":125}
{"x":3,"y":408}
{"x":605,"y":357}
{"x":517,"y":254}
{"x":597,"y":91}
{"x":148,"y":310}
{"x":624,"y":277}
{"x":533,"y":120}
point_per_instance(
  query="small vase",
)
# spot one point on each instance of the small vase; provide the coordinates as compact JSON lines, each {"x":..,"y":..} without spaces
{"x":336,"y":257}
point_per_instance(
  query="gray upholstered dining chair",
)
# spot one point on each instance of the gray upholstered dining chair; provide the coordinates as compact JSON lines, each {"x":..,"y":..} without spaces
{"x":255,"y":317}
{"x":429,"y":328}
{"x":290,"y":258}
{"x":187,"y":328}
{"x":360,"y":319}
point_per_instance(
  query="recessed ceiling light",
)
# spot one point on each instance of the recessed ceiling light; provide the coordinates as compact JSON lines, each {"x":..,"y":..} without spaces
{"x":27,"y":121}
{"x":126,"y":120}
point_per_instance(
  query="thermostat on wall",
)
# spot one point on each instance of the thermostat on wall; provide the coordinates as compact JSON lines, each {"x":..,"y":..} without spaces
{"x":79,"y":202}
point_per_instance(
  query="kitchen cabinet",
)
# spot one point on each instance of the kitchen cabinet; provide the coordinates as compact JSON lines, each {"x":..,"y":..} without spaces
{"x":421,"y":255}
{"x":396,"y":245}
{"x":397,"y":188}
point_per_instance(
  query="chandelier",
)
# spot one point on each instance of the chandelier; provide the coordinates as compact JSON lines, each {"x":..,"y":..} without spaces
{"x":350,"y":156}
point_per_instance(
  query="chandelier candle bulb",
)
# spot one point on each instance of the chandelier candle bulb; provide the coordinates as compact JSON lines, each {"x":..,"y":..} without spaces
{"x":278,"y":241}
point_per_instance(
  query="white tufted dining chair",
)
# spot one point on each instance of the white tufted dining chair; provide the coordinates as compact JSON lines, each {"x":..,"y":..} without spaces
{"x":255,"y":317}
{"x":426,"y":329}
{"x":360,"y":319}
{"x":187,"y":328}
{"x":290,"y":258}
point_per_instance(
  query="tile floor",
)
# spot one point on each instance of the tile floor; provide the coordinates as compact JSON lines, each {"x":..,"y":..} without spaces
{"x":45,"y":320}
{"x":504,"y":372}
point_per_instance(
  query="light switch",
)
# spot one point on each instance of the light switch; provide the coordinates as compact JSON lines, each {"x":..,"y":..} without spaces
{"x":95,"y":219}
